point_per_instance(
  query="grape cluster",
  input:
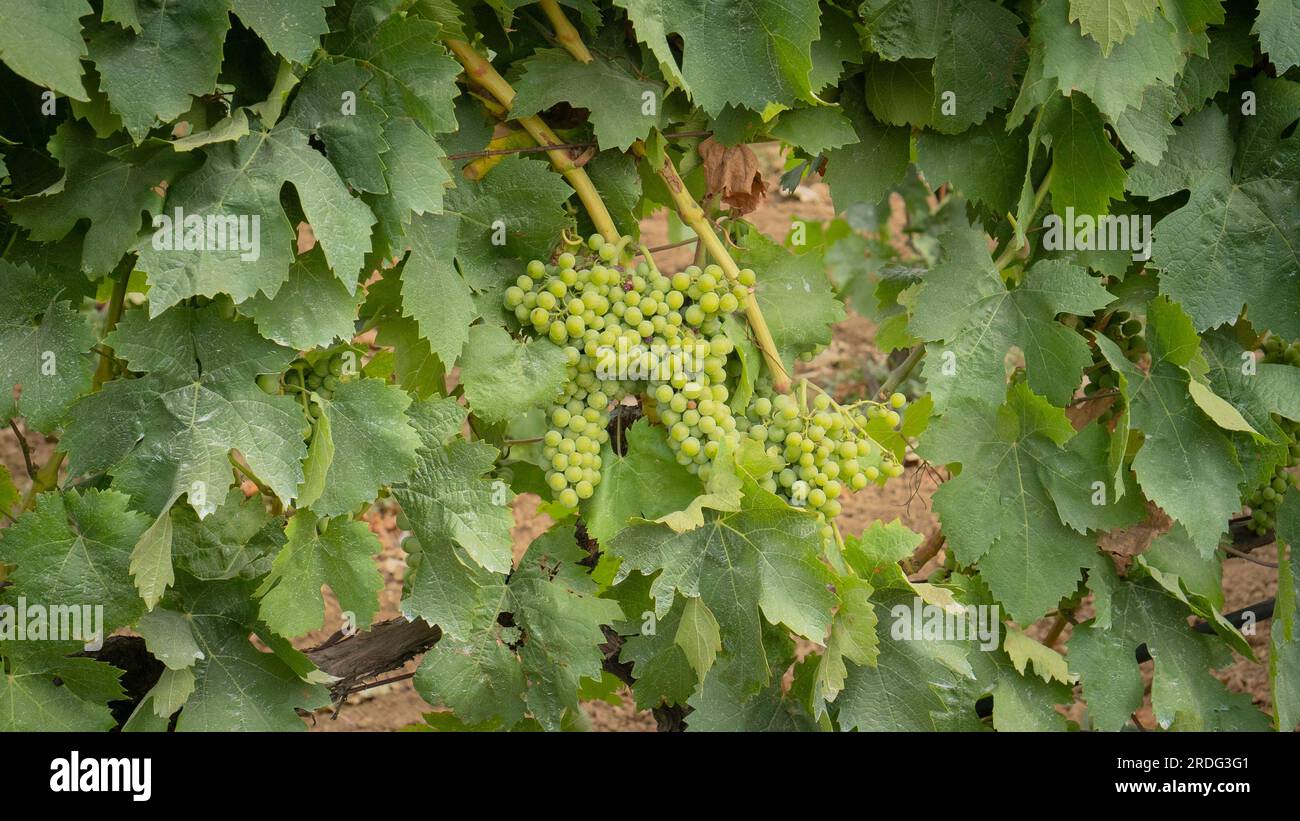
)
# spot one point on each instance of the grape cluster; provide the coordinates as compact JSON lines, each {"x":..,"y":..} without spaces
{"x":622,"y":326}
{"x":821,"y":448}
{"x":1263,"y":500}
{"x":631,"y":331}
{"x":1125,"y":331}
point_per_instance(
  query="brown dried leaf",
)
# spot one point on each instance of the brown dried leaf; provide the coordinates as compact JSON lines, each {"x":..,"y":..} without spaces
{"x":733,"y":173}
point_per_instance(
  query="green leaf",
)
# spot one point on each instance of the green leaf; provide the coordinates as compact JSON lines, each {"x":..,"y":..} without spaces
{"x":1088,"y":170}
{"x":291,"y":28}
{"x":984,"y":162}
{"x":1006,"y":510}
{"x":815,"y":130}
{"x":433,"y":291}
{"x":794,"y":294}
{"x":865,"y":170}
{"x":1110,"y":21}
{"x":374,"y":444}
{"x":1152,"y":54}
{"x":1186,"y":463}
{"x":171,"y":691}
{"x":416,"y":72}
{"x":697,"y":634}
{"x":623,"y":107}
{"x":1235,"y":241}
{"x":173,"y":54}
{"x":1183,"y":693}
{"x":333,"y":104}
{"x":238,"y":541}
{"x":109,"y":185}
{"x":43,"y":43}
{"x":504,"y":379}
{"x":170,"y":431}
{"x":768,"y":42}
{"x":448,"y":498}
{"x":243,"y":179}
{"x":342,"y":556}
{"x":74,"y":549}
{"x":852,"y":638}
{"x":977,"y":78}
{"x":169,"y":638}
{"x":759,"y":562}
{"x":645,"y":481}
{"x":237,"y":687}
{"x":1278,"y":28}
{"x":312,"y":309}
{"x":971,"y":320}
{"x":532,"y":660}
{"x":46,"y":352}
{"x":151,"y":560}
{"x":32,"y":701}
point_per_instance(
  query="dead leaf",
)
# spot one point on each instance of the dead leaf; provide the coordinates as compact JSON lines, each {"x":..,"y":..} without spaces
{"x":733,"y":173}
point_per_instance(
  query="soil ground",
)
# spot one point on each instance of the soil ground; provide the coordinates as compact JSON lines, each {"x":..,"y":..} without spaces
{"x":843,"y":363}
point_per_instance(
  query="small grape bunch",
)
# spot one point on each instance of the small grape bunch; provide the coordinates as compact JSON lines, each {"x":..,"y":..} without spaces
{"x":1263,"y":501}
{"x":822,"y":448}
{"x":1278,"y":351}
{"x":1125,"y":331}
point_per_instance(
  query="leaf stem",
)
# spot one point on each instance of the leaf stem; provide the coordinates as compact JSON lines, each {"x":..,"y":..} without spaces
{"x":904,"y":370}
{"x":1014,"y":245}
{"x":115,"y":304}
{"x":27,"y":450}
{"x":482,"y":72}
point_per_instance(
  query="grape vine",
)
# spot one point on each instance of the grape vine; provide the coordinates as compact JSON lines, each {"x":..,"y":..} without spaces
{"x":294,"y":296}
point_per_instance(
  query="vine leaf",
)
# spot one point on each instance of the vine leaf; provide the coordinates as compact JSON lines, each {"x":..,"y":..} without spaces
{"x":1278,"y":28}
{"x":768,"y":42}
{"x":448,"y":498}
{"x":1110,"y":21}
{"x":623,"y":108}
{"x":374,"y":444}
{"x":243,"y":179}
{"x":151,"y":69}
{"x":644,"y":482}
{"x":44,"y":691}
{"x":170,"y":639}
{"x":1008,"y":507}
{"x":170,"y":431}
{"x":796,"y":298}
{"x":1235,"y":241}
{"x":505,"y":379}
{"x":97,"y":173}
{"x":239,"y":541}
{"x":44,"y":44}
{"x":46,"y":352}
{"x":971,"y":320}
{"x":541,"y":638}
{"x":974,"y":45}
{"x":1186,"y":464}
{"x":758,"y":562}
{"x":291,"y":28}
{"x":1154,"y":53}
{"x":1089,"y":171}
{"x":236,"y":686}
{"x":1183,"y":693}
{"x":336,"y":552}
{"x":74,"y":549}
{"x":312,"y":309}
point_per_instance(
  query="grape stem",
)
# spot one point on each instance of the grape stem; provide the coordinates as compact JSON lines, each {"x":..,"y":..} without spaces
{"x":47,"y":478}
{"x":247,"y":473}
{"x":482,"y":72}
{"x":565,"y":32}
{"x":693,"y":216}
